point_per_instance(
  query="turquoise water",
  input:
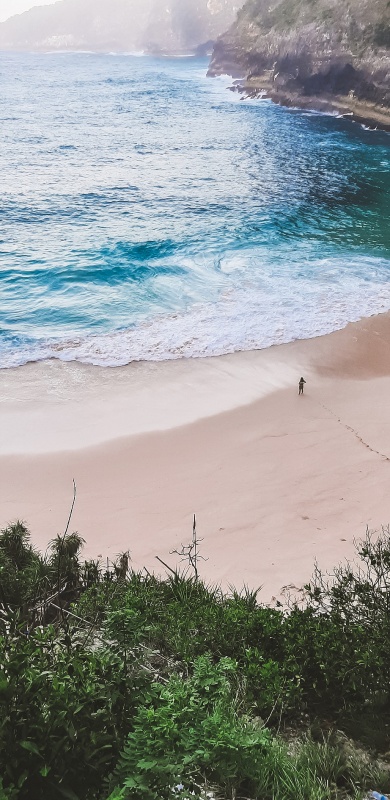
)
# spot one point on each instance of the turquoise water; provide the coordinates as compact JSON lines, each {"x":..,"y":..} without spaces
{"x":146,"y":212}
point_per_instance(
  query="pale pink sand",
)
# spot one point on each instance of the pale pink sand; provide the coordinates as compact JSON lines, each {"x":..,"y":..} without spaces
{"x":276,"y":480}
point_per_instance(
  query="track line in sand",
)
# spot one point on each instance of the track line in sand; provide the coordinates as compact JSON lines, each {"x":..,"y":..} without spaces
{"x":352,"y":430}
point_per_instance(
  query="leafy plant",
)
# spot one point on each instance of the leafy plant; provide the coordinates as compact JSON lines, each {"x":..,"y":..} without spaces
{"x":165,"y":683}
{"x":190,"y":732}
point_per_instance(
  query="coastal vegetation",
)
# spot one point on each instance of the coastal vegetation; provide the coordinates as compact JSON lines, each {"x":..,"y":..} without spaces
{"x":322,"y":55}
{"x":125,"y":685}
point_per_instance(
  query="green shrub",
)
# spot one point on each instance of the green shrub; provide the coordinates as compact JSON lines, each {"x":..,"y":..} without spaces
{"x":178,"y":676}
{"x":190,"y":732}
{"x":64,"y":713}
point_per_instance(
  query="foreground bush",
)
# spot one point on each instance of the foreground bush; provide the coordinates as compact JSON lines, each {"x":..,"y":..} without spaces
{"x":192,"y":734}
{"x":64,"y":712}
{"x":115,"y":681}
{"x":189,"y":729}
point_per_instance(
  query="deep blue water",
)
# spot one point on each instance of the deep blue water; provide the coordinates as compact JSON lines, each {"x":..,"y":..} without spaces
{"x":148,"y":212}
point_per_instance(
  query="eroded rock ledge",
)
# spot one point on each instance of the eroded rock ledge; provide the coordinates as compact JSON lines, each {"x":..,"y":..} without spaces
{"x":313,"y":54}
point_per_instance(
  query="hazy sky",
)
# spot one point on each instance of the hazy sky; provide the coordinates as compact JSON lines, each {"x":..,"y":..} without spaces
{"x":10,"y":7}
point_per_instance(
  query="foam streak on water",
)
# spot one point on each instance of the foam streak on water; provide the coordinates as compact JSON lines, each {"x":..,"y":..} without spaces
{"x":148,"y":213}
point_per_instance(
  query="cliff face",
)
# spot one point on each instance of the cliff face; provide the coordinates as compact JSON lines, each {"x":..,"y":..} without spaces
{"x":155,"y":26}
{"x":187,"y":25}
{"x":337,"y":50}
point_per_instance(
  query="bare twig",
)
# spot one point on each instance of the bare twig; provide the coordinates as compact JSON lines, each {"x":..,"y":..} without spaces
{"x":60,"y":550}
{"x":166,"y":565}
{"x":190,"y":552}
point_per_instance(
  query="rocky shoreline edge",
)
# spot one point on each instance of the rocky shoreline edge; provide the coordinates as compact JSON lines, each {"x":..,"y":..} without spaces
{"x":369,"y":114}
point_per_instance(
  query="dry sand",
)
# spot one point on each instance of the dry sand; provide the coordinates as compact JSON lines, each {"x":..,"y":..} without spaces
{"x":276,"y":480}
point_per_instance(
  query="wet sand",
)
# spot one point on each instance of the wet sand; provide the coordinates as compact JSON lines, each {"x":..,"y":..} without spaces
{"x":276,"y":480}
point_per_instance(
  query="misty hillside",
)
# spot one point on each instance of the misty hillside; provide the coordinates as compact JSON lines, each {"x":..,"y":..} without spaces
{"x":173,"y":26}
{"x":309,"y":48}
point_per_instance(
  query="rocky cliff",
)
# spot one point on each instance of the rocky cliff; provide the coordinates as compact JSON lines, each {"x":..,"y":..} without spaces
{"x":154,"y":26}
{"x":317,"y":53}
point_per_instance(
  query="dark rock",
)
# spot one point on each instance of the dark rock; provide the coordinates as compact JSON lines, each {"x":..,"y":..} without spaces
{"x":300,"y":49}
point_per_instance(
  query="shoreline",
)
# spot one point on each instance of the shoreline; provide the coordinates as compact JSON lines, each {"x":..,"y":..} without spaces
{"x":56,"y":394}
{"x":276,"y":481}
{"x":364,"y":113}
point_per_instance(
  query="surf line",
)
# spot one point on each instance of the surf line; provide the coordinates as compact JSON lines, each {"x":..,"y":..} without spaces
{"x":352,"y":430}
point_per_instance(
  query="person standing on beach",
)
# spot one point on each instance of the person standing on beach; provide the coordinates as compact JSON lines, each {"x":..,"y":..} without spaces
{"x":301,"y":384}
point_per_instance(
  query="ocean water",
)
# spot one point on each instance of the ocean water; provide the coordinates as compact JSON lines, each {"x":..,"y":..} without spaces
{"x":146,"y":212}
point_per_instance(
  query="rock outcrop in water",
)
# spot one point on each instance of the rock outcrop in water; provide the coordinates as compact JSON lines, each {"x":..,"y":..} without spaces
{"x":324,"y":54}
{"x":153,"y":26}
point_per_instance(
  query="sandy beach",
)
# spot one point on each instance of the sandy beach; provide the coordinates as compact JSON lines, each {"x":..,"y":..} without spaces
{"x":276,"y":480}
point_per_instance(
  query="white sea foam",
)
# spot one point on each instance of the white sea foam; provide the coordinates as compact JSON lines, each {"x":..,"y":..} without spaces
{"x":178,"y":197}
{"x":247,"y":318}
